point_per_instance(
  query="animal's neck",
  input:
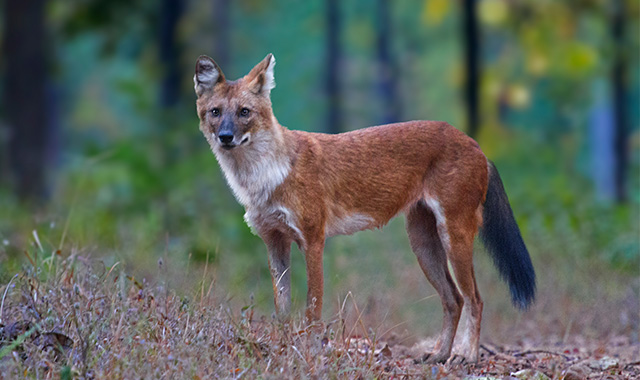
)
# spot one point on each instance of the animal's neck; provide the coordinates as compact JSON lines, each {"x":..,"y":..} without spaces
{"x":255,"y":171}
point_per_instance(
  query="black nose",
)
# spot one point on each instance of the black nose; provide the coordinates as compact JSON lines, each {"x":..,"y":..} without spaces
{"x":225,"y":137}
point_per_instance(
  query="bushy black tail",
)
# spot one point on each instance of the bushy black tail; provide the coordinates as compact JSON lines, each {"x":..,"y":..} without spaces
{"x":501,"y":236}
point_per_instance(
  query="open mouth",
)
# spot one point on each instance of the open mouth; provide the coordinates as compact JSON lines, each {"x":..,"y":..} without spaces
{"x":228,"y":146}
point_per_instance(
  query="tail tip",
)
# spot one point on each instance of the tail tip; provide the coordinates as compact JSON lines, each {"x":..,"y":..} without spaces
{"x":522,"y":299}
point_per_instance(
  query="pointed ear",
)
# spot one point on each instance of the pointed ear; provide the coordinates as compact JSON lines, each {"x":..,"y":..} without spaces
{"x":208,"y":74}
{"x":260,"y":78}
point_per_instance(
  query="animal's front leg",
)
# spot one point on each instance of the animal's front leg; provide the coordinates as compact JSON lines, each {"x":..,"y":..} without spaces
{"x":279,"y":247}
{"x":315,"y":279}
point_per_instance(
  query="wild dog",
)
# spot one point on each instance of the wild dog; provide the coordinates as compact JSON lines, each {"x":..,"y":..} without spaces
{"x":304,"y":187}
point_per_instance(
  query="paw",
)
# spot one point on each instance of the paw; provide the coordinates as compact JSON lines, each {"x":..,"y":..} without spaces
{"x":459,"y":359}
{"x":456,"y":359}
{"x":433,"y":358}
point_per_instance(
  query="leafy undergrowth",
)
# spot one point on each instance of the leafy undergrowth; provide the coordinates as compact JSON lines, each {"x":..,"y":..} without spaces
{"x":74,"y":318}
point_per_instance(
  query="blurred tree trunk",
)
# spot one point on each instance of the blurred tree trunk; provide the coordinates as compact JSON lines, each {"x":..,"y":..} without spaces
{"x":25,"y":95}
{"x":221,"y":32}
{"x":170,"y":14}
{"x":333,"y":91}
{"x":471,"y":36}
{"x":618,"y":79}
{"x":602,"y":135}
{"x":386,"y":68}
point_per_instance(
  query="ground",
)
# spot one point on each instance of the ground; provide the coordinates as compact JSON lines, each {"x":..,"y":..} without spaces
{"x":75,"y":318}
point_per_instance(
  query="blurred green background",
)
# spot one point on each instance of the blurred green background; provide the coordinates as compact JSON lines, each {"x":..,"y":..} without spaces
{"x":101,"y":156}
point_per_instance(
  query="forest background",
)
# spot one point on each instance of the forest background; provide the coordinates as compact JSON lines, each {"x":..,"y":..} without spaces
{"x":101,"y":156}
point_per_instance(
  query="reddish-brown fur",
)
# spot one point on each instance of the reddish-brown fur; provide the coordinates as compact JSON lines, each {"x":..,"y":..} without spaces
{"x":314,"y":185}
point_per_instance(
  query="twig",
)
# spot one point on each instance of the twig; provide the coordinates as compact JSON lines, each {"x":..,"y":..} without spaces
{"x":37,"y":239}
{"x":204,"y":276}
{"x":4,"y":295}
{"x":282,"y":275}
{"x":541,"y":352}
{"x":392,"y":327}
{"x":487,"y":349}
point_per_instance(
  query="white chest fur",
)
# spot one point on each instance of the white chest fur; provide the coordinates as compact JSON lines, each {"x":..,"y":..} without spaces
{"x":253,"y":173}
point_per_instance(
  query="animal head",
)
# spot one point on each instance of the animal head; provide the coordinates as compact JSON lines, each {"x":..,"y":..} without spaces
{"x":232,"y":113}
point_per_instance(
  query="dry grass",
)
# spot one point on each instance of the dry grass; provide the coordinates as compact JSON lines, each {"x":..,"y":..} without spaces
{"x":110,"y":325}
{"x":75,"y":318}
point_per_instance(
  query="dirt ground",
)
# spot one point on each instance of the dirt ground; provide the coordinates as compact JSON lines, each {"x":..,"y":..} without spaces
{"x":617,"y":358}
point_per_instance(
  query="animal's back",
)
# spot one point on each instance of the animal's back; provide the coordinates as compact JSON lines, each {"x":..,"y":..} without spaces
{"x":381,"y":170}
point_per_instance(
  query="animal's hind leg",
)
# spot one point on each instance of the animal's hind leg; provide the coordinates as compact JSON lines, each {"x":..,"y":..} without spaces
{"x":461,"y":231}
{"x":426,"y":244}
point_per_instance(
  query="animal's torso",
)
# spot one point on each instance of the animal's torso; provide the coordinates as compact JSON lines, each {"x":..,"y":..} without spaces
{"x":351,"y":181}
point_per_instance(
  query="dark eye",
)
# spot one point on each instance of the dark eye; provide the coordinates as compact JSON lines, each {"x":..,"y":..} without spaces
{"x":244,"y":112}
{"x":215,"y":112}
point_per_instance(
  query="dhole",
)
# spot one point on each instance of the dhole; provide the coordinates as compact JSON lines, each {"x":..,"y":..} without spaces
{"x":304,"y":187}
